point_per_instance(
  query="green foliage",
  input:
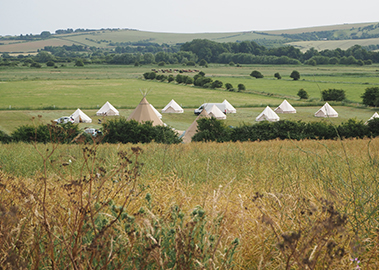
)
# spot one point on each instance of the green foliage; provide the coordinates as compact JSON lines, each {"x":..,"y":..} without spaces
{"x":63,"y":133}
{"x":4,"y":137}
{"x":371,"y":96}
{"x":211,"y":129}
{"x":122,"y":131}
{"x":170,"y":78}
{"x":302,"y":94}
{"x":191,"y":63}
{"x":277,"y":75}
{"x":228,"y":86}
{"x":217,"y":84}
{"x":50,"y":63}
{"x":256,"y":74}
{"x":353,"y":128}
{"x":35,"y":65}
{"x":373,"y":126}
{"x":241,"y":87}
{"x":161,"y":63}
{"x":295,"y":75}
{"x":203,"y":63}
{"x":79,"y":63}
{"x":333,"y":95}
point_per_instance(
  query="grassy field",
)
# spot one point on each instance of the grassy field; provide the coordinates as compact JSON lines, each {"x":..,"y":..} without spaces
{"x":258,"y":193}
{"x":32,"y":92}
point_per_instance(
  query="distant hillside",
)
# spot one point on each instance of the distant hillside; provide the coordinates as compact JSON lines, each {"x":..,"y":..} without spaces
{"x":325,"y":37}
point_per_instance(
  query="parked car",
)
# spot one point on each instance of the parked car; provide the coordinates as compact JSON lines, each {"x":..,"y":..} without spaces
{"x":93,"y":131}
{"x":64,"y":120}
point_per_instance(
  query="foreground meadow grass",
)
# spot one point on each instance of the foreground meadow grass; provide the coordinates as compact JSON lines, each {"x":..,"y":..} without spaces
{"x":257,"y":205}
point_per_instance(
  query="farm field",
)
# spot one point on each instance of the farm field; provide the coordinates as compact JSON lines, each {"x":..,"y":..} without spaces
{"x":52,"y":93}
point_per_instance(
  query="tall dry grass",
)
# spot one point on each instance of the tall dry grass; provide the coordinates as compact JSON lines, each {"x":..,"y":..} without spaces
{"x":260,"y":205}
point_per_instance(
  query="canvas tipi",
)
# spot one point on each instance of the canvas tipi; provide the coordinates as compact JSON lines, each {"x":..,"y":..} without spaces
{"x":192,"y":130}
{"x":228,"y":107}
{"x":216,"y":113}
{"x":285,"y":107}
{"x":107,"y":109}
{"x":326,"y":111}
{"x":156,"y":111}
{"x":172,"y":107}
{"x":267,"y":114}
{"x":144,"y":112}
{"x":80,"y":117}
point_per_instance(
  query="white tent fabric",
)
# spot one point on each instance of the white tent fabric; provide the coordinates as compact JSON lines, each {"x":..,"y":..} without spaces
{"x":375,"y":115}
{"x":172,"y":107}
{"x":285,"y":107}
{"x":268,"y":114}
{"x":229,"y":107}
{"x":216,"y":113}
{"x":326,"y":111}
{"x":80,"y":117}
{"x":156,"y":112}
{"x":107,"y":109}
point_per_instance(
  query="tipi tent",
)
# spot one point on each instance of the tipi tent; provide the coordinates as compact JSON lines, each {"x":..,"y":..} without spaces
{"x":156,"y":112}
{"x":326,"y":111}
{"x":107,"y":109}
{"x":80,"y":117}
{"x":375,"y":115}
{"x":172,"y":107}
{"x":216,"y":113}
{"x":228,"y":107}
{"x":192,"y":130}
{"x":285,"y":107}
{"x":267,"y":114}
{"x":144,"y":112}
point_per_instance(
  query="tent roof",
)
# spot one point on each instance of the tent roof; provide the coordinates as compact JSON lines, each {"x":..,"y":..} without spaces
{"x":229,"y":107}
{"x":107,"y":107}
{"x":80,"y":117}
{"x":192,"y":130}
{"x":216,"y":113}
{"x":144,"y":112}
{"x":375,"y":115}
{"x":285,"y":107}
{"x":172,"y":107}
{"x":326,"y":111}
{"x":156,"y":111}
{"x":267,"y":114}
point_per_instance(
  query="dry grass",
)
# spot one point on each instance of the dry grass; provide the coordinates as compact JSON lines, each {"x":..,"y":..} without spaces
{"x":261,"y":205}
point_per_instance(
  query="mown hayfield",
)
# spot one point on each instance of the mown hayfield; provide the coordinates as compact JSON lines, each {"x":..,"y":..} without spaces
{"x":267,"y":205}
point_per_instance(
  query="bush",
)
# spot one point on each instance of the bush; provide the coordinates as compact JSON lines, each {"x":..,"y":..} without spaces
{"x":277,"y":75}
{"x":122,"y":131}
{"x":295,"y":75}
{"x":191,"y":63}
{"x":211,"y":129}
{"x":256,"y":74}
{"x":371,"y":96}
{"x":217,"y":84}
{"x":4,"y":137}
{"x":353,"y":129}
{"x":161,"y":63}
{"x":203,"y":63}
{"x":303,"y":94}
{"x":228,"y":86}
{"x":50,"y":63}
{"x":333,"y":95}
{"x":241,"y":87}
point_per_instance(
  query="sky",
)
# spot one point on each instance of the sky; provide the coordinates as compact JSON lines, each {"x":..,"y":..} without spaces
{"x":180,"y":16}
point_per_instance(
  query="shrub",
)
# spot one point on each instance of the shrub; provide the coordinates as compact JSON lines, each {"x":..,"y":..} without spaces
{"x":241,"y":87}
{"x":228,"y":86}
{"x":122,"y":131}
{"x":203,"y":63}
{"x":217,"y":84}
{"x":188,"y":80}
{"x":256,"y":74}
{"x":353,"y":129}
{"x":371,"y":96}
{"x":4,"y":137}
{"x":170,"y":78}
{"x":277,"y":75}
{"x":211,"y":129}
{"x":191,"y":63}
{"x":333,"y":95}
{"x":303,"y":94}
{"x":50,"y":63}
{"x":295,"y":75}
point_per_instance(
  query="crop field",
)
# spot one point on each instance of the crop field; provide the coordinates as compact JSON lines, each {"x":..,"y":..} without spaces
{"x":272,"y":205}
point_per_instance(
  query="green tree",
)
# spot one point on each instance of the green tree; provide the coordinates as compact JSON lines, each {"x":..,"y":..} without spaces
{"x":256,"y":74}
{"x":161,"y":63}
{"x":302,"y":94}
{"x":295,"y":75}
{"x":371,"y":96}
{"x":241,"y":87}
{"x":203,"y":63}
{"x":217,"y":84}
{"x":211,"y":129}
{"x":228,"y":86}
{"x":277,"y":75}
{"x":333,"y":95}
{"x":79,"y":63}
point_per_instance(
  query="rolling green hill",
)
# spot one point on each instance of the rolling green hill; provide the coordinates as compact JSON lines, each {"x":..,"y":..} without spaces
{"x":322,"y":37}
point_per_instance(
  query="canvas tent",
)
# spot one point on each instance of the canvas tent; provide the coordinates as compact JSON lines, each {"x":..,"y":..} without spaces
{"x":216,"y":113}
{"x":375,"y":115}
{"x":107,"y":109}
{"x":229,"y":108}
{"x":192,"y":130}
{"x":156,"y":112}
{"x":144,"y":112}
{"x":267,"y":114}
{"x":172,"y":107}
{"x":285,"y":107}
{"x":326,"y":111}
{"x":80,"y":117}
